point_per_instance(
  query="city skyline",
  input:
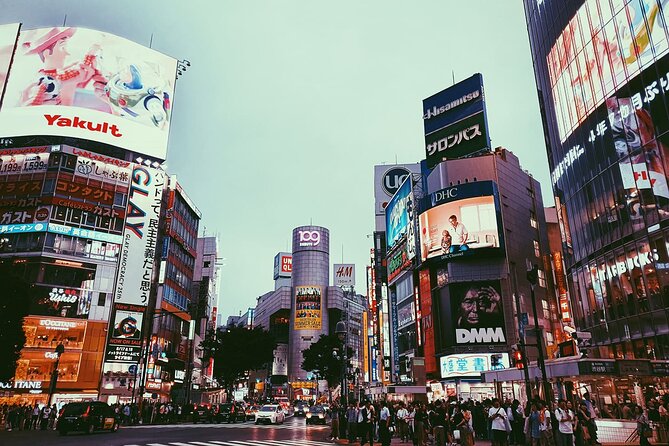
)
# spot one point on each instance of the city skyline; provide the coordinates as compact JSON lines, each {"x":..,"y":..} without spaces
{"x":286,"y":112}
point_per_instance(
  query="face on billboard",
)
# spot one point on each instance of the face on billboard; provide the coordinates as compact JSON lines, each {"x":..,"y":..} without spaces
{"x":460,"y":227}
{"x":308,"y":308}
{"x":598,"y":50}
{"x":89,"y":84}
{"x":477,"y":314}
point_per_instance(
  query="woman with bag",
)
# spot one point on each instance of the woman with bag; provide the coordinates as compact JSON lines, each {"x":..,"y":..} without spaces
{"x":643,"y":427}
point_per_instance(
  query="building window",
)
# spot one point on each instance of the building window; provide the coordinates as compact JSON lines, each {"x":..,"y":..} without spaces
{"x":533,"y":220}
{"x":537,"y":252}
{"x":102,"y":298}
{"x":542,"y":279}
{"x":206,"y":264}
{"x":547,"y":311}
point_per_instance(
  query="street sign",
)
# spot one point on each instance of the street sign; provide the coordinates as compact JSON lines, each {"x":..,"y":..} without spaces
{"x":133,"y":369}
{"x":524,"y":321}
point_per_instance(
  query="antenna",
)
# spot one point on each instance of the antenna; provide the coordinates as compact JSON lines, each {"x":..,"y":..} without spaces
{"x":64,"y":19}
{"x":311,"y":221}
{"x":396,"y":158}
{"x":453,"y":73}
{"x":342,"y":253}
{"x":151,"y":41}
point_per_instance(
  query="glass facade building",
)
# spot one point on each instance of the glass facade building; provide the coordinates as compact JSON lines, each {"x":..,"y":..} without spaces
{"x":602,"y":77}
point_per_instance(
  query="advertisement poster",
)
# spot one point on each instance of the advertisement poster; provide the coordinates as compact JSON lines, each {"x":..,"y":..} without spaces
{"x":627,"y":43}
{"x":471,"y":365}
{"x":455,"y":121}
{"x":463,"y":220}
{"x":89,"y":84}
{"x":397,"y":217}
{"x":280,"y":363}
{"x":477,"y":313}
{"x":125,"y":337}
{"x":308,"y":301}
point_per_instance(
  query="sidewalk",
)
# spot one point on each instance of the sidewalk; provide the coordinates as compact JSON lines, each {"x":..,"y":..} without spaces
{"x":397,"y":442}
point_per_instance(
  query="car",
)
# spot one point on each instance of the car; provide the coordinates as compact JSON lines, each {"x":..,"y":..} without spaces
{"x":230,"y":413}
{"x":300,"y":409}
{"x":270,"y":413}
{"x":202,"y":412}
{"x":251,"y":412}
{"x":87,"y":417}
{"x":316,"y":415}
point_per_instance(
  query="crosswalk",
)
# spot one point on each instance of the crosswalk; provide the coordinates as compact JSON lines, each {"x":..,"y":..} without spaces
{"x":240,"y":443}
{"x":288,"y":426}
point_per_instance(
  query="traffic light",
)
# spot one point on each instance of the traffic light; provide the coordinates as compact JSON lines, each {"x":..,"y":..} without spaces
{"x":518,"y":359}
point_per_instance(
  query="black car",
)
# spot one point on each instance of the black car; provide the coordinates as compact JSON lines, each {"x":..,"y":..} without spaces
{"x":230,"y":412}
{"x":87,"y":417}
{"x":201,"y":412}
{"x":300,"y":409}
{"x":316,"y":415}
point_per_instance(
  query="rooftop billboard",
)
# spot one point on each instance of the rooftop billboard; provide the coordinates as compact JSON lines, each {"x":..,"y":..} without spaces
{"x":455,"y":121}
{"x":82,"y":83}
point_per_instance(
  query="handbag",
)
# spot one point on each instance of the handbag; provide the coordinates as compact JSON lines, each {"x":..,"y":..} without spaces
{"x":456,"y":434}
{"x":586,"y":433}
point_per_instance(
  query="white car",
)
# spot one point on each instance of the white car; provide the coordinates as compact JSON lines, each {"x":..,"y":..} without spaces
{"x":271,"y":413}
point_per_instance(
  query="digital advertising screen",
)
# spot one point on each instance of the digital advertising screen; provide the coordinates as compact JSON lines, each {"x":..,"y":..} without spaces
{"x":598,"y":51}
{"x":455,"y":121}
{"x":464,"y":220}
{"x":308,"y":307}
{"x":472,"y":364}
{"x":397,"y":215}
{"x":82,"y":83}
{"x":477,"y":315}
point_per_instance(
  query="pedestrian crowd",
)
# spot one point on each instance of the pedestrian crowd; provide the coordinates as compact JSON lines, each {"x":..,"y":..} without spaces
{"x":504,"y":423}
{"x":27,"y":417}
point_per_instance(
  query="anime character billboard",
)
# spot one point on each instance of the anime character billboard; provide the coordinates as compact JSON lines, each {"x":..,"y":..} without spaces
{"x":89,"y":84}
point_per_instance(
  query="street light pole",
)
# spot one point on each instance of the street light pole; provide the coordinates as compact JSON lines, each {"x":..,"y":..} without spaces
{"x":60,"y":349}
{"x":341,"y":332}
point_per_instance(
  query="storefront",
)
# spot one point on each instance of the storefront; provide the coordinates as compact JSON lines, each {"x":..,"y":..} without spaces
{"x":608,"y":381}
{"x":461,"y":376}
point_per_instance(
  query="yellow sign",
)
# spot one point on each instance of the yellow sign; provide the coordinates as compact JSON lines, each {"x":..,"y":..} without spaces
{"x":308,"y":301}
{"x":303,"y":385}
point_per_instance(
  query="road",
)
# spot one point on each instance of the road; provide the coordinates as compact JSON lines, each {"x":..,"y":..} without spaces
{"x":293,"y":432}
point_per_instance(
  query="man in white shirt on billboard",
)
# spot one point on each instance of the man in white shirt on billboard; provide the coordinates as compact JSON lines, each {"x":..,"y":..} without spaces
{"x":459,"y":234}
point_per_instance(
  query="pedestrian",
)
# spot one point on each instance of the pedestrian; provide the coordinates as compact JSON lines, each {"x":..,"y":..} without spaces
{"x":643,"y":427}
{"x":421,"y":423}
{"x":564,"y":416}
{"x":367,"y":424}
{"x":466,"y":428}
{"x":384,"y":424}
{"x":402,"y":425}
{"x":438,"y":422}
{"x":334,"y":415}
{"x":44,"y":415}
{"x":498,"y":419}
{"x":35,"y":417}
{"x":352,"y":422}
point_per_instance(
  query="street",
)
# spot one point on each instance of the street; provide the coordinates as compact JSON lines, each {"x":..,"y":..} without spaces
{"x":292,"y":433}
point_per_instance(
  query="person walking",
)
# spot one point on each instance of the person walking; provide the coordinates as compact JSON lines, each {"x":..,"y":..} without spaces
{"x":438,"y":422}
{"x":402,"y":425}
{"x":565,"y":417}
{"x":643,"y":427}
{"x":366,"y":423}
{"x":384,"y":424}
{"x":334,"y":416}
{"x":352,"y":422}
{"x":498,"y":419}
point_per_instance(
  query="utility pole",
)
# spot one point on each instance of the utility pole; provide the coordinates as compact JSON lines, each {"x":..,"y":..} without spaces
{"x":60,"y":349}
{"x":533,"y":277}
{"x":521,"y":335}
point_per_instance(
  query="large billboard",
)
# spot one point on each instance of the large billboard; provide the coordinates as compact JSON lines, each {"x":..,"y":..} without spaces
{"x":397,"y":213}
{"x":477,"y":315}
{"x":82,"y":83}
{"x":8,"y":35}
{"x":455,"y":121}
{"x":598,"y":51}
{"x":308,"y":307}
{"x":463,"y":220}
{"x":136,"y":264}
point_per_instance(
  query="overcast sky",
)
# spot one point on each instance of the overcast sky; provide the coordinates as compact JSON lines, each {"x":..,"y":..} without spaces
{"x":288,"y":105}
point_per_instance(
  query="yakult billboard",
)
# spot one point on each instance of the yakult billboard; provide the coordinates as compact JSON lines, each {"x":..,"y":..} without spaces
{"x":88,"y":84}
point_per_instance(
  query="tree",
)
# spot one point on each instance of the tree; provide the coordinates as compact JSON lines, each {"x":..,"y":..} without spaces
{"x":323,"y":358}
{"x":236,"y":350}
{"x":14,"y":306}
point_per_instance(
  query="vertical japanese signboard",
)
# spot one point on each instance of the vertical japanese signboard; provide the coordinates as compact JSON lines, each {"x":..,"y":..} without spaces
{"x":136,"y":264}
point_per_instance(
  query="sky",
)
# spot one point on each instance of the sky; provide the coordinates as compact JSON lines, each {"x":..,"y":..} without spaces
{"x":288,"y":105}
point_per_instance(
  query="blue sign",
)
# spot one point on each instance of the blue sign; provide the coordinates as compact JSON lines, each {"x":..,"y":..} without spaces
{"x":397,"y":217}
{"x":455,"y":121}
{"x":84,"y":233}
{"x":22,"y":228}
{"x":133,"y":369}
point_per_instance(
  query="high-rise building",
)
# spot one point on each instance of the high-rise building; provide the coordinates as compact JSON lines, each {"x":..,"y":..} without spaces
{"x":601,"y":78}
{"x":80,"y":189}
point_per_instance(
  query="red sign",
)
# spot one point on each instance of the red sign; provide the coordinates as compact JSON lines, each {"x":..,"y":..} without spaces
{"x":286,"y":264}
{"x":561,"y":285}
{"x":84,"y":192}
{"x":425,"y":292}
{"x":96,"y":209}
{"x":21,"y":188}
